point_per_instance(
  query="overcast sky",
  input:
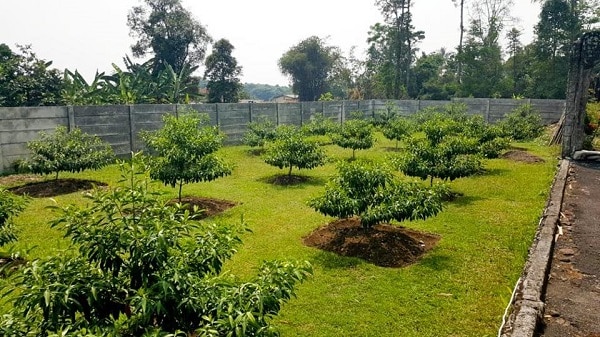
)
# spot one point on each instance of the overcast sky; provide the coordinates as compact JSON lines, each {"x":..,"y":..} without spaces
{"x":89,"y":35}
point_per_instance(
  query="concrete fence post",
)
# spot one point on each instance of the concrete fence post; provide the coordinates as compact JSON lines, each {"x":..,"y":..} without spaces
{"x":250,"y":112}
{"x":373,"y":109}
{"x":277,"y":113}
{"x":132,"y":129}
{"x":71,"y":118}
{"x":301,"y":113}
{"x":487,"y":110}
{"x":217,"y":114}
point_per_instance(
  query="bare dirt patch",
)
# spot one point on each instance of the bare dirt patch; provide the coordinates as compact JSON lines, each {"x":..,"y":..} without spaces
{"x":383,"y":245}
{"x":206,"y":207}
{"x":52,"y":188}
{"x":522,"y":156}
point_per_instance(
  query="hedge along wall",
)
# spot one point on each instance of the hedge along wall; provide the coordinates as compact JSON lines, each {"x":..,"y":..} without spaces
{"x":120,"y":125}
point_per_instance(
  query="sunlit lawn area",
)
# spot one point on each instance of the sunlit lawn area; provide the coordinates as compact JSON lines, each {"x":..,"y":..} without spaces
{"x":460,"y":288}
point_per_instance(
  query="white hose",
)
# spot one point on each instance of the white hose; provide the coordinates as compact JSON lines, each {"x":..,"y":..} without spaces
{"x":512,"y":297}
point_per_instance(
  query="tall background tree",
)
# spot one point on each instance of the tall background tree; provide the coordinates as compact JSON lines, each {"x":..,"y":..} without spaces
{"x":514,"y":63}
{"x":434,"y":76}
{"x":461,"y":5}
{"x":222,"y":73}
{"x":26,"y":80}
{"x":391,"y":51}
{"x":169,"y":32}
{"x":482,"y":55}
{"x":559,"y":25}
{"x":309,"y":65}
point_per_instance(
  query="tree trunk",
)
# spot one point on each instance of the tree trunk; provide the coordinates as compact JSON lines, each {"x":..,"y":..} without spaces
{"x":408,"y":44}
{"x":180,"y":188}
{"x":460,"y":41}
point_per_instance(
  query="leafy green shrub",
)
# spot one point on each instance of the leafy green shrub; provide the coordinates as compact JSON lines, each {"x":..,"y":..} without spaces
{"x":383,"y":117}
{"x":291,"y":149}
{"x":319,"y":125}
{"x":327,"y":96}
{"x":452,"y":158}
{"x":10,"y":206}
{"x":522,"y":123}
{"x":371,"y":191}
{"x":397,"y":129}
{"x":259,"y":132}
{"x":144,"y":268}
{"x":453,"y":111}
{"x":439,"y":126}
{"x":64,"y":150}
{"x":183,"y":150}
{"x":490,"y":137}
{"x":592,"y":121}
{"x":355,"y":134}
{"x":453,"y":121}
{"x":592,"y":117}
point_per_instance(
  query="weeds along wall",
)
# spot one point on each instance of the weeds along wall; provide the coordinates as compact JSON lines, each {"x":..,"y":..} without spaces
{"x":119,"y":125}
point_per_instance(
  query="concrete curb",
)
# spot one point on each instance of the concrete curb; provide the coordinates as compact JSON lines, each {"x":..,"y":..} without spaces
{"x":528,"y":302}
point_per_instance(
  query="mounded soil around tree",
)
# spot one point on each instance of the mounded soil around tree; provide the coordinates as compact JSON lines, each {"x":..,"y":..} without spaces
{"x":521,"y":156}
{"x":383,"y":245}
{"x":206,"y":206}
{"x":287,"y":180}
{"x":31,"y":185}
{"x":52,"y":188}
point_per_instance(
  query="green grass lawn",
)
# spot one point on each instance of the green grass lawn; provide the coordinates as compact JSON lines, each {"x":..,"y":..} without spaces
{"x":460,"y":288}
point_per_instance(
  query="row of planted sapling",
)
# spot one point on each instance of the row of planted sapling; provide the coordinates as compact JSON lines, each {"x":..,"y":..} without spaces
{"x":146,"y":266}
{"x":441,"y":143}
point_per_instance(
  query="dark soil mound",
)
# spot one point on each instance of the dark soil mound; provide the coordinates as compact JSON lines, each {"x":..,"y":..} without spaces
{"x":206,"y":206}
{"x":51,"y":188}
{"x":522,"y":156}
{"x":382,"y":245}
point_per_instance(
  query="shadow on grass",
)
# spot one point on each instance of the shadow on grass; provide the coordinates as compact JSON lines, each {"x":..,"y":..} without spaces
{"x":333,"y":261}
{"x":256,"y":151}
{"x":494,"y":172}
{"x":465,"y":200}
{"x":517,"y":148}
{"x":294,"y":181}
{"x":437,"y":262}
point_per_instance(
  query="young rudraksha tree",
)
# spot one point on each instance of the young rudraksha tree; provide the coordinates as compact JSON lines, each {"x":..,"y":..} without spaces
{"x":67,"y":151}
{"x":370,"y":191}
{"x":292,"y":148}
{"x":184,"y":151}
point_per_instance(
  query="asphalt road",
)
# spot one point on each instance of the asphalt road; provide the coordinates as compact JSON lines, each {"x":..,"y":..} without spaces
{"x":572,"y":295}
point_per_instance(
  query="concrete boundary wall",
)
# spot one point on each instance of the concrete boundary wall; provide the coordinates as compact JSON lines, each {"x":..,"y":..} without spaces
{"x":120,"y":125}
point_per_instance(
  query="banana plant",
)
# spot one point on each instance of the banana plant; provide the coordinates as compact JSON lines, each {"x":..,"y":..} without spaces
{"x":135,"y":84}
{"x":77,"y":91}
{"x":177,"y":87}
